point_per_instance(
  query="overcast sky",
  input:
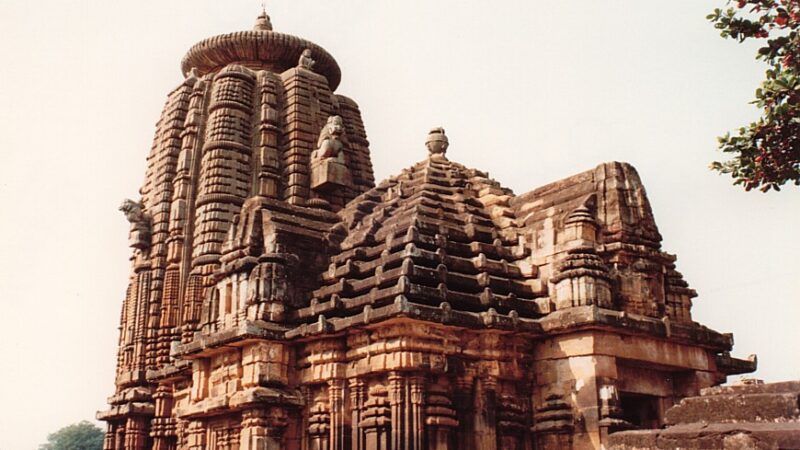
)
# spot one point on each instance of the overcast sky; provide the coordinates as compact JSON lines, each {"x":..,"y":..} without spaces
{"x":531,"y":91}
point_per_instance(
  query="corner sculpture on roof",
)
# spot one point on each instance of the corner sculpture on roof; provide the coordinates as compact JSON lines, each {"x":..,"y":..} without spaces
{"x":284,"y":301}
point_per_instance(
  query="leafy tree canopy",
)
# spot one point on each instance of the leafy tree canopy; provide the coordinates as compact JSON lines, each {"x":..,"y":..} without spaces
{"x":79,"y":436}
{"x":766,"y":153}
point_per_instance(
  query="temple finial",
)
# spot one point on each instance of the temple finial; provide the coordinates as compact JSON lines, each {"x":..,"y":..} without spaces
{"x":263,"y":22}
{"x":437,"y":141}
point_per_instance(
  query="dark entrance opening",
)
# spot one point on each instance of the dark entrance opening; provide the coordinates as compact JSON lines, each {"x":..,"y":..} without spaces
{"x":640,"y":409}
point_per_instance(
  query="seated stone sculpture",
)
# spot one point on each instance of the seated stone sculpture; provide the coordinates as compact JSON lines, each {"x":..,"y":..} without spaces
{"x":328,"y":167}
{"x":306,"y":61}
{"x":329,"y":143}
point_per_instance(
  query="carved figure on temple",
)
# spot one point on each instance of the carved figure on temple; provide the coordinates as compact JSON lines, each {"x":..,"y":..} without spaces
{"x":437,"y":141}
{"x":329,"y":144}
{"x":306,"y":61}
{"x":133,"y":211}
{"x":328,"y":168}
{"x":193,"y":76}
{"x":139,"y":237}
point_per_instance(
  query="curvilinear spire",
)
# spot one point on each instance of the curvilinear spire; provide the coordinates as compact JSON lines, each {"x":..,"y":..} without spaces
{"x":278,"y":299}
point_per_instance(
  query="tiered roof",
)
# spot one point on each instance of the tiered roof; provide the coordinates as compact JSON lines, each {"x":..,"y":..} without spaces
{"x":438,"y":234}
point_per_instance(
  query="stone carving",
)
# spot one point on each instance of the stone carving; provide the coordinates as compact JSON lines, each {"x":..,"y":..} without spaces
{"x":139,"y":237}
{"x":133,"y":212}
{"x":279,"y":299}
{"x":437,"y":141}
{"x":328,"y":169}
{"x":329,"y":144}
{"x":581,"y":278}
{"x":306,"y":62}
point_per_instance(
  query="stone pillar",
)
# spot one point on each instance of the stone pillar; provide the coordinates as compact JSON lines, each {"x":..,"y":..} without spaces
{"x":356,"y":408}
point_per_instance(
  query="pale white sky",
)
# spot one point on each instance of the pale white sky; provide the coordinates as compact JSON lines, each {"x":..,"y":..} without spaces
{"x":531,"y":91}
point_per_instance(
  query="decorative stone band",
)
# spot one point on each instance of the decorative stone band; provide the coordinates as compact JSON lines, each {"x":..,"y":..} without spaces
{"x":259,"y":49}
{"x":581,"y":262}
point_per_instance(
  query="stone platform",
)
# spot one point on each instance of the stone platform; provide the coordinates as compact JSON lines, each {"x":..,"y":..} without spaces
{"x":745,"y":416}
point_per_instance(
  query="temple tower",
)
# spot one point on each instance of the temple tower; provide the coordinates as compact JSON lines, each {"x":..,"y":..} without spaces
{"x":241,"y":126}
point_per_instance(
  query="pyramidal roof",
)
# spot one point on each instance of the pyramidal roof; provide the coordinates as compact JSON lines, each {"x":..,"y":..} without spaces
{"x":438,"y":234}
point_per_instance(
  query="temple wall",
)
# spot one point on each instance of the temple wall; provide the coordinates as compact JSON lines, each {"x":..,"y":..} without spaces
{"x":595,"y":371}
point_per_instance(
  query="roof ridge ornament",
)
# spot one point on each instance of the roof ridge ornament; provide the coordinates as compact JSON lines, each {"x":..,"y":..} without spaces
{"x":437,"y":142}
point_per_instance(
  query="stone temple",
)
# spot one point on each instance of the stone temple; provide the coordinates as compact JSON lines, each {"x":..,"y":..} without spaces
{"x":280,"y":299}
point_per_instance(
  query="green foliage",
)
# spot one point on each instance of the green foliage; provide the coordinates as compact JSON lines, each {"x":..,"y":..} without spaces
{"x":79,"y":436}
{"x":766,"y":153}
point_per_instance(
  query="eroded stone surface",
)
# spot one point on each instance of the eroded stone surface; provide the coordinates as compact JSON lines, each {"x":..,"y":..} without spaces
{"x":755,"y":416}
{"x":279,"y":299}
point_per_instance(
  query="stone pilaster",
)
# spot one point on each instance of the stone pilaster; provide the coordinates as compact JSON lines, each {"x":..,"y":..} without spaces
{"x":319,"y":422}
{"x":338,"y":432}
{"x":195,"y":436}
{"x":136,"y":434}
{"x":485,"y":413}
{"x":464,"y":406}
{"x":110,"y":438}
{"x":263,"y":429}
{"x":376,"y":421}
{"x":553,"y":423}
{"x":396,"y":401}
{"x":266,"y":165}
{"x":162,"y":428}
{"x":440,"y":419}
{"x":511,"y":422}
{"x":357,"y":399}
{"x":119,"y":440}
{"x":417,"y":403}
